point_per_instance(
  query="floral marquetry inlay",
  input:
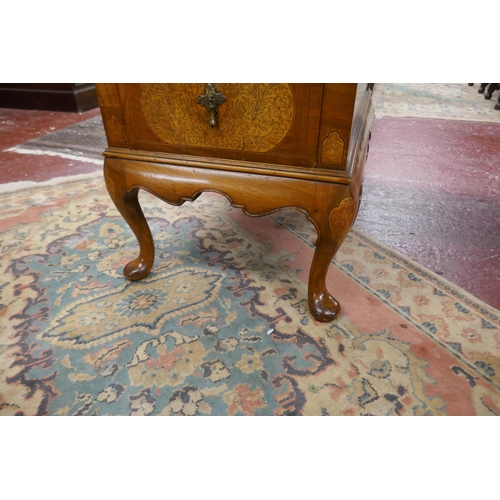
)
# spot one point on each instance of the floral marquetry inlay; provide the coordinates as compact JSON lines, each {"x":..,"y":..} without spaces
{"x":332,"y":149}
{"x":341,"y":219}
{"x":255,"y":117}
{"x":116,"y":133}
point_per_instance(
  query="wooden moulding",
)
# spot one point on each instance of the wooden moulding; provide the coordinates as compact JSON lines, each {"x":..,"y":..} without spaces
{"x":315,"y":174}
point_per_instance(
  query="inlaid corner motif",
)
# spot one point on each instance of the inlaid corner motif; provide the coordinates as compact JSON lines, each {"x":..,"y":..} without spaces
{"x":114,"y":127}
{"x":341,"y":219}
{"x":255,"y":117}
{"x":332,"y":149}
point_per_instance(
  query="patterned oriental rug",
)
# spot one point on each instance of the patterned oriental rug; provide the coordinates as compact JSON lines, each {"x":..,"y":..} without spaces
{"x":221,"y":325}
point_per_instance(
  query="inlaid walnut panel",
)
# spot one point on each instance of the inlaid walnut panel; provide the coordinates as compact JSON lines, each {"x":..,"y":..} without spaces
{"x":341,"y":218}
{"x":332,"y":149}
{"x":116,"y":133}
{"x":255,"y":117}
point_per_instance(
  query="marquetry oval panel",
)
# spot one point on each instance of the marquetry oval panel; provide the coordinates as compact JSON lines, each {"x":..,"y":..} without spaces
{"x":255,"y":117}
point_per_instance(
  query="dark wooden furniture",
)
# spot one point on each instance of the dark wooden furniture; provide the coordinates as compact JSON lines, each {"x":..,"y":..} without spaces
{"x":487,"y":89}
{"x":264,"y":146}
{"x":73,"y":97}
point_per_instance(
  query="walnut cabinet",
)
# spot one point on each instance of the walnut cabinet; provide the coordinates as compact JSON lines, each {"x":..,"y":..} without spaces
{"x":264,"y":146}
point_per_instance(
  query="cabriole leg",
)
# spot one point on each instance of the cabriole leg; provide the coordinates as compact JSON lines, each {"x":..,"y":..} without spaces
{"x":332,"y":230}
{"x":126,"y":201}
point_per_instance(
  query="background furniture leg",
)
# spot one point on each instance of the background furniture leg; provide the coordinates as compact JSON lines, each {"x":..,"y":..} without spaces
{"x":489,"y":91}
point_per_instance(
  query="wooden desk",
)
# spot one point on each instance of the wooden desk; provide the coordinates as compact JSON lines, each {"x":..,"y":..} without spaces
{"x":264,"y":146}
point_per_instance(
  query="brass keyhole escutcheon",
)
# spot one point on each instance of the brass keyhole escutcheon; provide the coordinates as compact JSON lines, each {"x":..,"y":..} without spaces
{"x":211,"y":99}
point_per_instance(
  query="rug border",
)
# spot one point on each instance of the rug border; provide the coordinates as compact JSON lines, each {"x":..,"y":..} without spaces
{"x":439,"y":279}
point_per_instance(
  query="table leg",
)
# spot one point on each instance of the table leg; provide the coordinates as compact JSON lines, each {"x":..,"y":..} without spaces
{"x":125,"y":198}
{"x":332,"y":229}
{"x":332,"y":208}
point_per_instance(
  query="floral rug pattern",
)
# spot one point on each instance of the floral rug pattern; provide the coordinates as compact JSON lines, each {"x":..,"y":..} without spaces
{"x":221,"y":326}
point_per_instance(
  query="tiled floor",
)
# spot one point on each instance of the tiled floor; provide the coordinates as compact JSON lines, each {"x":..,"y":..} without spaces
{"x":432,"y":189}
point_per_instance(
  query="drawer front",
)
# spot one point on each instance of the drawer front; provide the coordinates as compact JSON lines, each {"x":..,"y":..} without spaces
{"x":252,"y":118}
{"x":266,"y":123}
